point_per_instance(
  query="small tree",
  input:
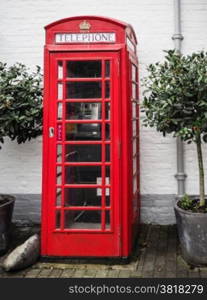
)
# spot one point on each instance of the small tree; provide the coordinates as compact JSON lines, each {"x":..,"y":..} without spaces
{"x":20,"y":103}
{"x":175,"y":101}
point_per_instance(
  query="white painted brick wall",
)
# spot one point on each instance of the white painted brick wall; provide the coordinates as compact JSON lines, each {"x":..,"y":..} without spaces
{"x":22,"y":40}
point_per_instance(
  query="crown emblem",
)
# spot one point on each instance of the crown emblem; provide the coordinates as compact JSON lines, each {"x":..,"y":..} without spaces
{"x":84,"y":25}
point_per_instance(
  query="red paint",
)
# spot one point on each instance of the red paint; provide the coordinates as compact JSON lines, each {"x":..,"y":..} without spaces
{"x":63,"y":169}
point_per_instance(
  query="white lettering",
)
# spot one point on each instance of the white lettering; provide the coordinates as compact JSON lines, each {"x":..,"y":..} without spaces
{"x":101,"y":37}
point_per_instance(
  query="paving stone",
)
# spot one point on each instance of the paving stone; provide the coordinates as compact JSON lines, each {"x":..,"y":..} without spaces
{"x":161,"y":250}
{"x":113,"y":274}
{"x":170,"y":273}
{"x":171,"y":252}
{"x":131,"y":266}
{"x":150,"y":254}
{"x":55,"y":273}
{"x":124,"y":273}
{"x":142,"y":252}
{"x":94,"y":266}
{"x":194,"y":273}
{"x":79,"y":274}
{"x":44,"y":273}
{"x":89,"y":274}
{"x":61,"y":266}
{"x":32,"y":273}
{"x":203,"y":273}
{"x":67,"y":273}
{"x":101,"y":273}
{"x":134,"y":274}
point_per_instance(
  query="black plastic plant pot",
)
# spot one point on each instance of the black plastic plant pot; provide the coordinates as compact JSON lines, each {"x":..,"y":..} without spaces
{"x":192,"y":232}
{"x":6,"y":210}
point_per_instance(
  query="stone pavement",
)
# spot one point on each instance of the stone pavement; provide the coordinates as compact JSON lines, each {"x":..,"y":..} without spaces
{"x":157,"y":255}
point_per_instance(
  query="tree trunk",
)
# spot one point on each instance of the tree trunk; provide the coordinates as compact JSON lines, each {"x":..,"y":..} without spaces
{"x":201,"y":170}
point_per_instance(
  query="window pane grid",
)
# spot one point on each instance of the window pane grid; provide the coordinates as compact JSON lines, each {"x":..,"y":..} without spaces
{"x":105,"y":140}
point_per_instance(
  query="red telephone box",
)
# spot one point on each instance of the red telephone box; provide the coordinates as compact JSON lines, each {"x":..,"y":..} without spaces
{"x":90,"y":203}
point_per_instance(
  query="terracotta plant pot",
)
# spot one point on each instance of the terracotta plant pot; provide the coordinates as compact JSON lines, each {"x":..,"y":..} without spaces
{"x":6,"y":210}
{"x":192,"y":232}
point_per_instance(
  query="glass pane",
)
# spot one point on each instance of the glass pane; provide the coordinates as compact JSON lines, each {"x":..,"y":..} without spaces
{"x":134,"y":110}
{"x":134,"y":71}
{"x":60,"y":111}
{"x":107,"y":110}
{"x":107,"y":68}
{"x":130,"y":45}
{"x":107,"y":219}
{"x":107,"y":180}
{"x":60,"y":91}
{"x":82,"y":174}
{"x":134,"y":165}
{"x":134,"y":94}
{"x":59,"y":153}
{"x":134,"y":128}
{"x":107,"y":89}
{"x":58,"y":197}
{"x":108,"y":203}
{"x":83,"y":219}
{"x":57,"y":219}
{"x":82,"y":197}
{"x":83,"y":69}
{"x":134,"y":184}
{"x":81,"y":132}
{"x":83,"y":111}
{"x":60,"y":70}
{"x":134,"y":146}
{"x":59,"y":175}
{"x":107,"y":152}
{"x":107,"y":131}
{"x":83,"y":153}
{"x":84,"y":90}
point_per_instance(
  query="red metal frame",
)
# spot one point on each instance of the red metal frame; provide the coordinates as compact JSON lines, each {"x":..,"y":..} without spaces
{"x":117,"y":240}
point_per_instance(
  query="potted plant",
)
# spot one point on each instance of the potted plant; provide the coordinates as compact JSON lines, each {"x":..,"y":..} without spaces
{"x":175,"y":102}
{"x":20,"y":120}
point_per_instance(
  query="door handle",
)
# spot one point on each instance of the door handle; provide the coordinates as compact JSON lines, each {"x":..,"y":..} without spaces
{"x":51,"y":132}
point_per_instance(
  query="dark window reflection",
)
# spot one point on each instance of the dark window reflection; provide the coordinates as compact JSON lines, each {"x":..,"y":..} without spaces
{"x":107,"y":110}
{"x":107,"y":152}
{"x":82,"y":174}
{"x":83,"y":111}
{"x":57,"y":218}
{"x":107,"y":68}
{"x":107,"y":131}
{"x":80,"y":219}
{"x":83,"y":153}
{"x":81,"y":132}
{"x":108,"y":203}
{"x":83,"y":69}
{"x":107,"y":219}
{"x":82,"y":197}
{"x":107,"y":175}
{"x":107,"y":89}
{"x":58,"y":197}
{"x":83,"y":90}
